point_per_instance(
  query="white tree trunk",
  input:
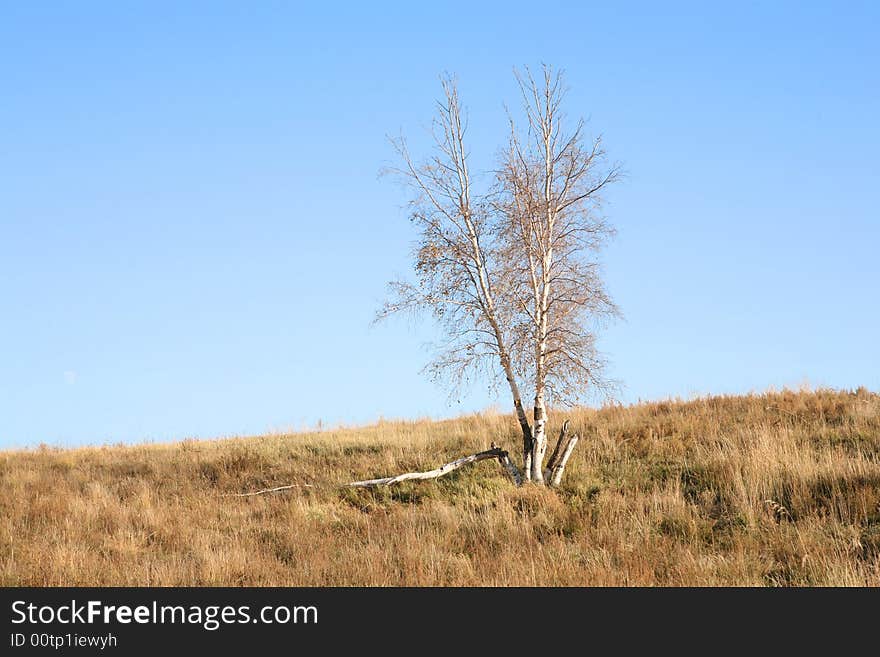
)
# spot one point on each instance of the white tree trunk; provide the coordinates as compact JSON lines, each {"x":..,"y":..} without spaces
{"x":559,"y":459}
{"x":539,"y":442}
{"x":557,"y":470}
{"x":517,"y":403}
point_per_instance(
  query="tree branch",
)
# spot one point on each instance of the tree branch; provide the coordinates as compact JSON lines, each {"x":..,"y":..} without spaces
{"x":277,"y":489}
{"x":493,"y":453}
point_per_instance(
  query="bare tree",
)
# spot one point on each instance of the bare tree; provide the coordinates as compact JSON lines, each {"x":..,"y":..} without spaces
{"x":550,"y":230}
{"x":510,"y":272}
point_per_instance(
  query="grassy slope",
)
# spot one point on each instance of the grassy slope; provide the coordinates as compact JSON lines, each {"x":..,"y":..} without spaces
{"x":778,"y":489}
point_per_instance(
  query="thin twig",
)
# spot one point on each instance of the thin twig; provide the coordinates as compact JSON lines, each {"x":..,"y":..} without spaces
{"x":268,"y":490}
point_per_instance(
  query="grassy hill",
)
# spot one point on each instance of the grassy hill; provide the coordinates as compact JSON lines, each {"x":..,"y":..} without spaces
{"x":772,"y":489}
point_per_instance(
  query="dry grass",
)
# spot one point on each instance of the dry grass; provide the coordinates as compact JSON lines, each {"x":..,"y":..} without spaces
{"x":773,"y":489}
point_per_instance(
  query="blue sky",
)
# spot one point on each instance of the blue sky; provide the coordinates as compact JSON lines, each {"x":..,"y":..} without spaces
{"x":194,"y":238}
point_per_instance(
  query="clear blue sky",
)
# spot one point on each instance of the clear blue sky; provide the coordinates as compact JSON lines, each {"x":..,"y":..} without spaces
{"x":193,"y":236}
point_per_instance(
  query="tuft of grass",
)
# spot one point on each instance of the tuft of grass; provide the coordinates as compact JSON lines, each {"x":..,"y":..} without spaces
{"x":778,"y":489}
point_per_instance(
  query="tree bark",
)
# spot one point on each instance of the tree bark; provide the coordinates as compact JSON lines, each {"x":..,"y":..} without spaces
{"x":511,"y":469}
{"x":517,"y":403}
{"x":557,"y":451}
{"x":557,"y":468}
{"x":539,"y":442}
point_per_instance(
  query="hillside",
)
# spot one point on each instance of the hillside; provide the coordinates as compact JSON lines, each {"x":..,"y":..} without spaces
{"x":773,"y":489}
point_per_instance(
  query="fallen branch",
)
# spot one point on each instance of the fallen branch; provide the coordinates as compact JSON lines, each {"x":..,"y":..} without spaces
{"x":268,"y":490}
{"x":511,"y":469}
{"x":494,"y":453}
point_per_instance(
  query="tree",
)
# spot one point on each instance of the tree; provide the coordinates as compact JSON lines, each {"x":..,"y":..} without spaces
{"x":510,"y":272}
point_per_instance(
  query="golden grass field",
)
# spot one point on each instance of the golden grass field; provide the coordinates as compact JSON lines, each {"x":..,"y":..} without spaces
{"x":778,"y":489}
